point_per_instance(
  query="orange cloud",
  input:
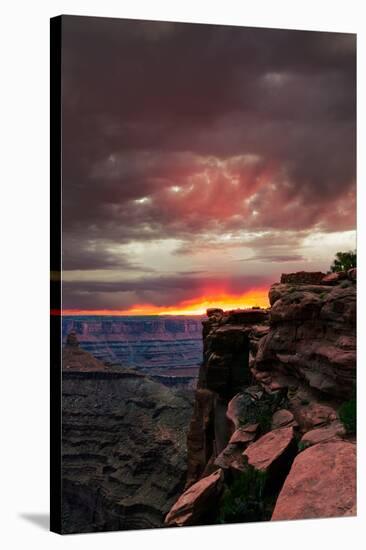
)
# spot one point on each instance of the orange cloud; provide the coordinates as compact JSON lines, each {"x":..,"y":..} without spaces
{"x":194,"y":306}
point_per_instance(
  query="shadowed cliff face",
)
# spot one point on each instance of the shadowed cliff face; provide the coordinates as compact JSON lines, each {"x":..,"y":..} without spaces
{"x":124,"y":446}
{"x":273,"y":383}
{"x":230,"y":340}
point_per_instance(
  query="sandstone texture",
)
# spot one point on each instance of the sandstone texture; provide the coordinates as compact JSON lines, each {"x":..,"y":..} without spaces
{"x":269,"y":392}
{"x":312,"y":337}
{"x":262,"y":454}
{"x":195,"y":503}
{"x":321,"y":483}
{"x":335,"y":430}
{"x":229,"y":340}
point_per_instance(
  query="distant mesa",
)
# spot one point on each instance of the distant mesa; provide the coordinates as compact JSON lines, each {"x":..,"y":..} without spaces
{"x":72,"y":340}
{"x":75,"y":358}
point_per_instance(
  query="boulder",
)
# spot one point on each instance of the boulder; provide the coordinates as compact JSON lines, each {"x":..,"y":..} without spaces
{"x":334,"y":278}
{"x":231,"y":458}
{"x":320,"y":484}
{"x":278,"y":290}
{"x":335,"y":430}
{"x":296,"y":306}
{"x":314,"y":415}
{"x":194,"y":504}
{"x":283,"y":418}
{"x":262,"y":454}
{"x":234,"y":409}
{"x":244,"y":434}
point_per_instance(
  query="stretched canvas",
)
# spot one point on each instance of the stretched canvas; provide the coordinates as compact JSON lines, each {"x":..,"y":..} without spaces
{"x":203,"y":274}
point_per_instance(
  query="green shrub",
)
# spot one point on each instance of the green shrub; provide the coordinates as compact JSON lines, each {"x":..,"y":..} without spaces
{"x":302,"y":445}
{"x":261,"y":411}
{"x":344,"y":261}
{"x":348,"y":415}
{"x":243,"y":501}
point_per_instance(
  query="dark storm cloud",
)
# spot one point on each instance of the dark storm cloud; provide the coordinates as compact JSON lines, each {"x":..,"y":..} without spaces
{"x":190,"y":131}
{"x":97,"y":254}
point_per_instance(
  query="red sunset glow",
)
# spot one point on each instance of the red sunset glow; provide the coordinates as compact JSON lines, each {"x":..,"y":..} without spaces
{"x":194,"y":306}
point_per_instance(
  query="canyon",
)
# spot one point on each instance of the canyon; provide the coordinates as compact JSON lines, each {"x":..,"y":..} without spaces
{"x":168,"y":349}
{"x":273,"y":434}
{"x":123,"y":445}
{"x":268,"y":434}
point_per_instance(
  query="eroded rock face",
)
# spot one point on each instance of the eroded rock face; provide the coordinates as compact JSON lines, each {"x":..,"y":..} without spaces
{"x":312,"y":337}
{"x":74,"y":358}
{"x":334,"y":278}
{"x":229,"y":340}
{"x":271,"y":379}
{"x":333,"y":431}
{"x":244,"y":434}
{"x":195,"y":504}
{"x":302,"y":277}
{"x":315,"y":415}
{"x":321,"y":483}
{"x":282,"y":418}
{"x":264,"y":453}
{"x":124,"y":448}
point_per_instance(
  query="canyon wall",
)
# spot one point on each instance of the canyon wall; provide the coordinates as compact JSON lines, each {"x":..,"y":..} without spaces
{"x":272,"y":434}
{"x":123,"y":447}
{"x":168,"y":349}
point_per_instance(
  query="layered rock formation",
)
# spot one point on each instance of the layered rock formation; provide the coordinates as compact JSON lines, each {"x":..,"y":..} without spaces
{"x":230,"y":340}
{"x":266,"y":414}
{"x":169,"y":349}
{"x":124,"y":445}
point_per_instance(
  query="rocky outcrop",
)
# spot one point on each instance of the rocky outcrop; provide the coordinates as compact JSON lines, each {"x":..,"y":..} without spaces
{"x":269,"y":449}
{"x":195,"y":505}
{"x":302,"y":277}
{"x":266,"y":407}
{"x":334,"y":278}
{"x":74,"y":358}
{"x":123,"y":449}
{"x":312,"y":340}
{"x":230,"y":342}
{"x":333,"y":431}
{"x":166,"y":348}
{"x":282,"y":418}
{"x":321,"y":483}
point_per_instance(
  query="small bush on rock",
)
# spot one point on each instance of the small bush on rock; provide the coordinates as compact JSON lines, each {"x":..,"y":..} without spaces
{"x":260,"y":411}
{"x":302,"y":445}
{"x":344,"y":261}
{"x":348,"y":415}
{"x":243,"y":501}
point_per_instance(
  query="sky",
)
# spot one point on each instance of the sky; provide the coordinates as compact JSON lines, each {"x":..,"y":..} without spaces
{"x":199,"y":162}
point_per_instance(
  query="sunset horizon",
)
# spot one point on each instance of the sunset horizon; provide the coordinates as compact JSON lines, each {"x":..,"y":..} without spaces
{"x":195,"y":306}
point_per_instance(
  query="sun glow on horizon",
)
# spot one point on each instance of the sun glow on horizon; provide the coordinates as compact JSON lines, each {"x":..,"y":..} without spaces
{"x":195,"y":306}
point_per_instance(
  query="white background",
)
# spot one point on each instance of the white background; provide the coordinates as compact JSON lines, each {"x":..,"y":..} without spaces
{"x":24,"y":298}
